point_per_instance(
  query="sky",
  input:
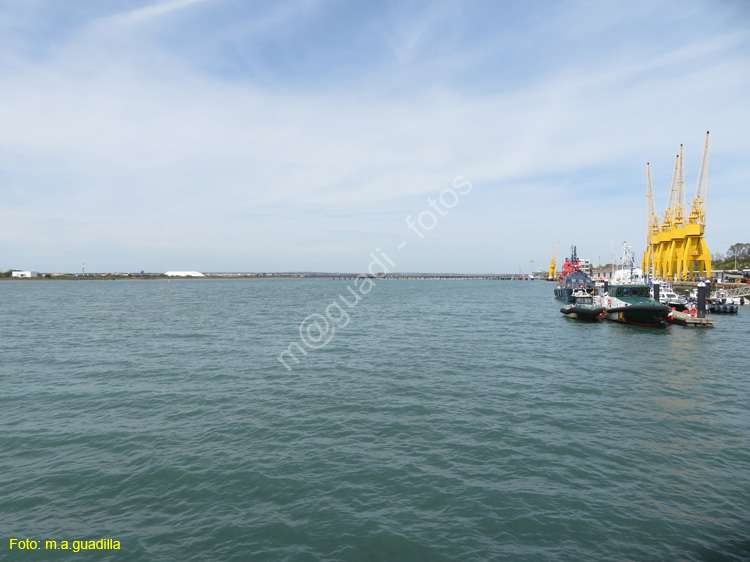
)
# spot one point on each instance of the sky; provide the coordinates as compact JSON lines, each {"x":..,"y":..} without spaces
{"x":305,"y":135}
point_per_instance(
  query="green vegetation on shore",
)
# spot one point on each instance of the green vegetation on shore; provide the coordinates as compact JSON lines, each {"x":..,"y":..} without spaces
{"x":737,"y":257}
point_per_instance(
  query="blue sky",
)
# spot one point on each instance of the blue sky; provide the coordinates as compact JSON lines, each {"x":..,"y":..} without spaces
{"x":228,"y":135}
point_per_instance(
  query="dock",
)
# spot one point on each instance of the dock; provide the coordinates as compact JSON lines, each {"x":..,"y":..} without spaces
{"x":429,"y":276}
{"x":684,"y":319}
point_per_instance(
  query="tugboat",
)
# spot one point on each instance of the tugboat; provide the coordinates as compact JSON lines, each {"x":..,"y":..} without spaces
{"x":572,"y":279}
{"x":585,"y":307}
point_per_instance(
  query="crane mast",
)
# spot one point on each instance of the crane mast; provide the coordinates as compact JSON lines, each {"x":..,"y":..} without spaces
{"x":698,"y":211}
{"x":652,"y":220}
{"x":668,"y":222}
{"x":678,"y":211}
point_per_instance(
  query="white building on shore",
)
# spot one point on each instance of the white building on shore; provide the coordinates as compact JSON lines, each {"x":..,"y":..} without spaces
{"x":27,"y":274}
{"x":585,"y":265}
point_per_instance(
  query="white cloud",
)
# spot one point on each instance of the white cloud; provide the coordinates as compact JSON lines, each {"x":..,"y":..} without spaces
{"x":153,"y":11}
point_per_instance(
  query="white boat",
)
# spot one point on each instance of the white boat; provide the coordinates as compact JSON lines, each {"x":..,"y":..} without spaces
{"x":628,"y":273}
{"x":667,"y":296}
{"x":721,"y":296}
{"x":721,"y":302}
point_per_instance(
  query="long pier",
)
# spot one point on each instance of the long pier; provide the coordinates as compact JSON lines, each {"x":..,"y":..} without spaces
{"x":738,"y":292}
{"x":430,"y":276}
{"x":732,"y":289}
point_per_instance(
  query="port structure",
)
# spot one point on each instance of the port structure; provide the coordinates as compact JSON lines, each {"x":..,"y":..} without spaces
{"x":677,"y":249}
{"x":553,"y":262}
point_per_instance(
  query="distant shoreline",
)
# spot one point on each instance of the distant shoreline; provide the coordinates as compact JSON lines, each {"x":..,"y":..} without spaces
{"x":684,"y":285}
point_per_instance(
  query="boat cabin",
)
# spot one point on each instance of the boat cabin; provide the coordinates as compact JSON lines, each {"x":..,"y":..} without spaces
{"x":621,"y":291}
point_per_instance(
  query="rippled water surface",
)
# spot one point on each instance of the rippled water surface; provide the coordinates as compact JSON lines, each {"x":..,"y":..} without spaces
{"x":448,"y":420}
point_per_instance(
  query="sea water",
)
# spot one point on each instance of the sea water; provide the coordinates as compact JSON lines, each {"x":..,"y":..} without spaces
{"x":429,"y":420}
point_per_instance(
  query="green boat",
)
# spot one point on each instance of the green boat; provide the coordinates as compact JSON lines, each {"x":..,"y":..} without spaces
{"x":585,"y":307}
{"x":632,"y":304}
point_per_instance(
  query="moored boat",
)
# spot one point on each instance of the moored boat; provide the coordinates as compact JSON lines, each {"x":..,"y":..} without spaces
{"x":721,"y":302}
{"x":576,"y":281}
{"x":572,"y":279}
{"x":585,"y":307}
{"x":718,"y":308}
{"x":632,"y":304}
{"x":668,"y":297}
{"x":628,"y":272}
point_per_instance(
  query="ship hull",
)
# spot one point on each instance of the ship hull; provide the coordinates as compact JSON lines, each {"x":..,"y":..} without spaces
{"x":642,"y":315}
{"x":590,"y":314}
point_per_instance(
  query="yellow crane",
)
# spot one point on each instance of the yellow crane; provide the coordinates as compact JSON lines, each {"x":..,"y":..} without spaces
{"x":653,"y":226}
{"x":677,"y":249}
{"x":553,"y":262}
